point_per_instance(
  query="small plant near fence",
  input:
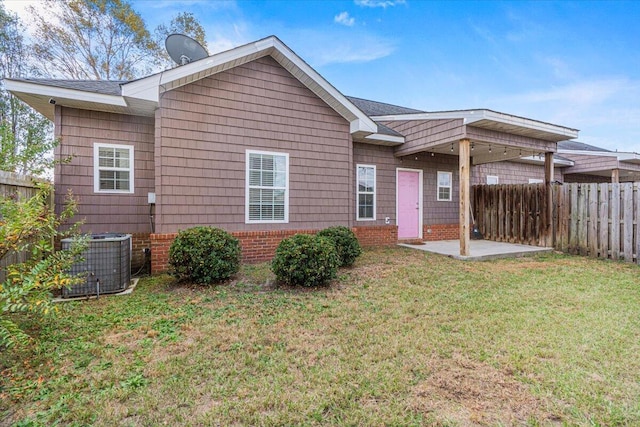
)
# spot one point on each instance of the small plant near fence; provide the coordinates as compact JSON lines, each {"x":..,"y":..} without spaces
{"x":305,"y":260}
{"x":204,"y":255}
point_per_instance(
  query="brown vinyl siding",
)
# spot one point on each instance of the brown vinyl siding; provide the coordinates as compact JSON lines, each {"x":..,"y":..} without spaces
{"x":586,"y":163}
{"x":206,"y":128}
{"x":434,"y":211}
{"x":510,"y":173}
{"x":421,"y":134}
{"x":104,"y":212}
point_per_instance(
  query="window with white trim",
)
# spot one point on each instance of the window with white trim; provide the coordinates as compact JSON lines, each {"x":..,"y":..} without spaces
{"x":536,"y":181}
{"x":267,"y":191}
{"x":492,"y":180}
{"x":445,"y":182}
{"x":112,"y":168}
{"x":366,"y":193}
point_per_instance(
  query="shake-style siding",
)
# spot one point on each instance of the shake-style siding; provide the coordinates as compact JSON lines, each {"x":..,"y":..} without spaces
{"x":206,"y":128}
{"x":103,"y":212}
{"x":435,"y":212}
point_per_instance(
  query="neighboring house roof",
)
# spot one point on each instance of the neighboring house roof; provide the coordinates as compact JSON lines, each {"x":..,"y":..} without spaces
{"x":579,"y":146}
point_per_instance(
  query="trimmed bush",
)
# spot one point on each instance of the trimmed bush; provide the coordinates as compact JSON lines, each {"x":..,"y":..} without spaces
{"x":305,"y":260}
{"x":346,"y":243}
{"x":204,"y":255}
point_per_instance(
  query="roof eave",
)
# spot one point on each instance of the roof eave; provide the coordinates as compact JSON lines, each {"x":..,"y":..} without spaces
{"x":49,"y":96}
{"x":547,"y":130}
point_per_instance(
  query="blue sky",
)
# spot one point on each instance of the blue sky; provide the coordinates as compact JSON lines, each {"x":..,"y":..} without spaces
{"x":575,"y":64}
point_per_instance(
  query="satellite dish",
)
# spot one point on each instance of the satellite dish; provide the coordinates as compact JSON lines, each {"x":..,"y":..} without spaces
{"x":183,"y":49}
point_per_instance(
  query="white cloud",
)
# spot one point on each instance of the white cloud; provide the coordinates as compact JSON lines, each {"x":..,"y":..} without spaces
{"x":344,"y":19}
{"x":341,"y":46}
{"x":379,"y":3}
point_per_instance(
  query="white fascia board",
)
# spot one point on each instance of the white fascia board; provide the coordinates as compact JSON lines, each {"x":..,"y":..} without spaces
{"x":386,"y":138}
{"x":556,"y":161}
{"x":626,"y":156}
{"x":146,"y":88}
{"x":471,"y":116}
{"x":63,"y":93}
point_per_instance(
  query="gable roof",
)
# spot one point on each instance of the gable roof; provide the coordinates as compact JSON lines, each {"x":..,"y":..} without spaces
{"x":141,"y":96}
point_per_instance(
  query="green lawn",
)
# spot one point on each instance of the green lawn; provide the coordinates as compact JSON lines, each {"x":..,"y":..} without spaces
{"x":402,"y":338}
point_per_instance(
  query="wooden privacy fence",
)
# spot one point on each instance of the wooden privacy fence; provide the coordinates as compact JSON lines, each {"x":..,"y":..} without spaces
{"x":14,"y":186}
{"x":512,"y":213}
{"x":597,"y":220}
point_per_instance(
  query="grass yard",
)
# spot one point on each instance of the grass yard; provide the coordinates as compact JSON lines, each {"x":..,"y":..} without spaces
{"x":402,"y":338}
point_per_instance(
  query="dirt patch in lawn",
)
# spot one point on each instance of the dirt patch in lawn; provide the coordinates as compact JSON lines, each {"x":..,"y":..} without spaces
{"x":469,"y":393}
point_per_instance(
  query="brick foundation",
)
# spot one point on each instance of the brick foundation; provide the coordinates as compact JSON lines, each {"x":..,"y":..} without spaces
{"x":259,"y":246}
{"x":440,"y":232}
{"x":139,"y":241}
{"x":383,"y":235}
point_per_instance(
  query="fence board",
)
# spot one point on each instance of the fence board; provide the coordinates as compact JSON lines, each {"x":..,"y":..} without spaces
{"x":582,"y":219}
{"x":592,"y":234}
{"x":604,"y":220}
{"x":627,"y":226}
{"x":637,"y":221}
{"x":615,"y":222}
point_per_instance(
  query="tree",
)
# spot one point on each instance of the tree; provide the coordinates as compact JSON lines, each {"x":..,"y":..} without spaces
{"x":184,"y":23}
{"x":25,"y":136}
{"x":30,"y":225}
{"x":93,"y":39}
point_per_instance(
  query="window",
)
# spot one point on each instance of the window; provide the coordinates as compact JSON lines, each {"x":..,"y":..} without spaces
{"x":267,"y":193}
{"x":444,"y":186}
{"x":536,"y":181}
{"x":492,"y":180}
{"x":366,"y":189}
{"x":112,"y":168}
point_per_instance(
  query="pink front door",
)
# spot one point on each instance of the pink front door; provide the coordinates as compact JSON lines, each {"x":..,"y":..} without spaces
{"x":408,"y":204}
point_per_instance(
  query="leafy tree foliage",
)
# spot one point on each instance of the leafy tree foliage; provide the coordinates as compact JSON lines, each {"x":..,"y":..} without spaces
{"x":93,"y":39}
{"x":29,"y":225}
{"x":25,"y":136}
{"x":184,"y":23}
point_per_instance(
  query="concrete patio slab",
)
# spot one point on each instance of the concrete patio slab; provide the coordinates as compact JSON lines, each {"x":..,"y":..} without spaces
{"x":480,"y":250}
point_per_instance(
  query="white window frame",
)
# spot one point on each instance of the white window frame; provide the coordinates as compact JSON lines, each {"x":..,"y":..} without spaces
{"x":358,"y":192}
{"x":97,"y":168}
{"x":493,"y":178}
{"x":450,"y":186}
{"x":536,"y":181}
{"x":248,"y":188}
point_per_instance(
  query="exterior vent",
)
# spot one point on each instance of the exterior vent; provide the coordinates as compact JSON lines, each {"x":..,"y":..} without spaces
{"x":107,"y":265}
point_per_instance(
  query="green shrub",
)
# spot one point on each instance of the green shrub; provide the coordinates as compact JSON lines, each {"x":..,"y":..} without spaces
{"x":204,"y":255}
{"x":305,"y":260}
{"x":346,"y":243}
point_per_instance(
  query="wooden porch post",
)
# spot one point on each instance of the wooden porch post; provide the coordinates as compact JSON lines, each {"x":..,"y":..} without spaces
{"x":465,"y":203}
{"x":615,"y":176}
{"x":548,"y":180}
